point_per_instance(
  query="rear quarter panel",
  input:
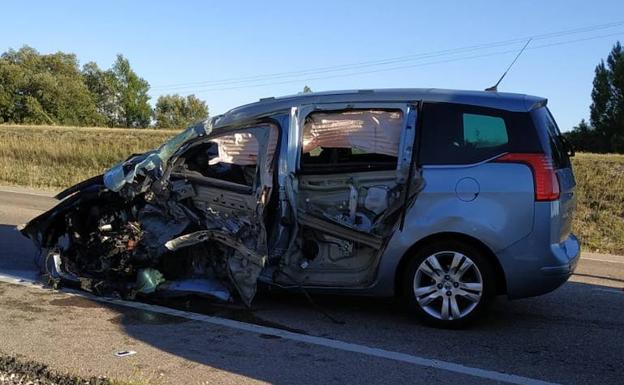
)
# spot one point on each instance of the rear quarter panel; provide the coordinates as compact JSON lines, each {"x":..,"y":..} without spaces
{"x":501,"y":213}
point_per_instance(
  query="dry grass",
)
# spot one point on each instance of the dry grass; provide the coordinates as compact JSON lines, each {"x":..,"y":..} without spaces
{"x":58,"y":157}
{"x":599,"y":220}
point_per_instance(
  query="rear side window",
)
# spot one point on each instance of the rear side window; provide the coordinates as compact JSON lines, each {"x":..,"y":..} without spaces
{"x":464,"y":134}
{"x":482,"y":131}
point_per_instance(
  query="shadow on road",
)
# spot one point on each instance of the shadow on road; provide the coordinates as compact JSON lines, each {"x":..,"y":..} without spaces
{"x":17,"y":253}
{"x":572,"y":335}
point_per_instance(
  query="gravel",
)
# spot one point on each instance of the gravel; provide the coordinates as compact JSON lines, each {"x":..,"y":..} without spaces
{"x":14,"y":371}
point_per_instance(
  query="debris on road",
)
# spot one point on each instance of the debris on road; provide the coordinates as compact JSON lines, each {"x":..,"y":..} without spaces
{"x":125,"y":353}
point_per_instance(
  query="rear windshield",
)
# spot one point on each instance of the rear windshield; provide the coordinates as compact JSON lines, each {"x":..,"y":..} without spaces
{"x":551,"y":137}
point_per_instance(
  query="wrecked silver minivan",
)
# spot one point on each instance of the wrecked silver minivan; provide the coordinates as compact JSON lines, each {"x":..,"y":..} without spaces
{"x":312,"y":191}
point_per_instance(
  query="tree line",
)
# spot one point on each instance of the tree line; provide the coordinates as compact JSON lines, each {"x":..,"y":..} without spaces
{"x":605,"y":130}
{"x":53,"y":89}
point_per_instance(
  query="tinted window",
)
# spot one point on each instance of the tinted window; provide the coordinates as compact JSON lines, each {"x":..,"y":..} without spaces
{"x":484,"y":131}
{"x":463,"y":134}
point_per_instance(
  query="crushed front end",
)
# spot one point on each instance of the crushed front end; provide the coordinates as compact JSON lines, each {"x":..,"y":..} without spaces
{"x":138,"y":230}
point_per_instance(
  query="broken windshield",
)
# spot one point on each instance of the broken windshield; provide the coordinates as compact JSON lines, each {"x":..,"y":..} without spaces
{"x":151,"y":161}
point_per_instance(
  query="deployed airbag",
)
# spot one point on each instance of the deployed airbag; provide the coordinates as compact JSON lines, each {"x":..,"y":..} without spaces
{"x":373,"y":131}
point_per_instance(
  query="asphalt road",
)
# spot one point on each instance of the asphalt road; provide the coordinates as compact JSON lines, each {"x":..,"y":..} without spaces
{"x":574,"y":335}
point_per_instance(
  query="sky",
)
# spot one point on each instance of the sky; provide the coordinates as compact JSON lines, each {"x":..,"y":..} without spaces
{"x":230,"y":53}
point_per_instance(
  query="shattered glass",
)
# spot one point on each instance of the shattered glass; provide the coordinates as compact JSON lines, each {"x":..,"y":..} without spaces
{"x":152,"y":161}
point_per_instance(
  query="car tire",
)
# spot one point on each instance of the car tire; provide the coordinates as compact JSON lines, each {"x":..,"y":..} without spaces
{"x":448,"y":284}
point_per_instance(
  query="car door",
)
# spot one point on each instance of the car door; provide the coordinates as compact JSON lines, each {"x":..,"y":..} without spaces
{"x":352,"y":166}
{"x":228,"y":178}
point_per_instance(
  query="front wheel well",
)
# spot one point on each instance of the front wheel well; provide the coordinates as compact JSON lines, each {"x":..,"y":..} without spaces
{"x":501,"y":284}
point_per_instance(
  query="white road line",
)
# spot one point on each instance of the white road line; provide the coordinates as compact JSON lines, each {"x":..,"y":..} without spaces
{"x":583,"y":258}
{"x":612,"y":291}
{"x":313,"y":340}
{"x":17,"y":191}
{"x":23,"y":278}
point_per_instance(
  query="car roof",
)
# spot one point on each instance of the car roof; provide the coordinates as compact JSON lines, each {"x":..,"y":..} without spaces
{"x":265,"y":106}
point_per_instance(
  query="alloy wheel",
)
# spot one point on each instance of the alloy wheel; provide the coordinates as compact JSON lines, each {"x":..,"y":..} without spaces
{"x":448,"y":285}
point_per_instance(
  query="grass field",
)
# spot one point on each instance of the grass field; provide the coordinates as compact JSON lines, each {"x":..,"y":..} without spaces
{"x":56,"y":157}
{"x":599,"y":220}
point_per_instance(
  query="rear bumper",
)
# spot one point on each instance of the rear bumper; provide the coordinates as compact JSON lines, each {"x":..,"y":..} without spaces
{"x":568,"y":252}
{"x":529,"y":273}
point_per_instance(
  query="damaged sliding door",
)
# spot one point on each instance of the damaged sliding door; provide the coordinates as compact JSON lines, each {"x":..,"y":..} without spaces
{"x":353,"y":173}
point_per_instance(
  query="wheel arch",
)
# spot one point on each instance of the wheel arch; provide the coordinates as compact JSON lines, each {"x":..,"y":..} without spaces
{"x":501,"y":284}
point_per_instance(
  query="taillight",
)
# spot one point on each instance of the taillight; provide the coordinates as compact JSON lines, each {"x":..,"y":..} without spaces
{"x":544,"y":175}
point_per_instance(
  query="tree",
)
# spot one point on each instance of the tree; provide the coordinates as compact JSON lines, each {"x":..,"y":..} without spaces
{"x":104,"y":87}
{"x":52,"y":89}
{"x":607,"y":108}
{"x":131,"y":90}
{"x":583,"y":138}
{"x":44,"y":89}
{"x":175,"y":111}
{"x":306,"y":89}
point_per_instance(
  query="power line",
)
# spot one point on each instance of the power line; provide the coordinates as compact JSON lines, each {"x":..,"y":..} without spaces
{"x":498,"y":53}
{"x":404,"y":58}
{"x":387,"y":61}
